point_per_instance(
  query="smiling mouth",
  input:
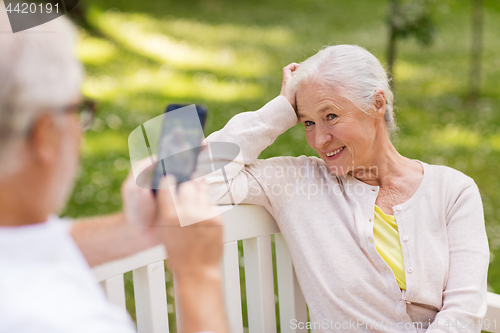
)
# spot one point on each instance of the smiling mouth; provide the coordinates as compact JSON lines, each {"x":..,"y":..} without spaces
{"x":335,"y":152}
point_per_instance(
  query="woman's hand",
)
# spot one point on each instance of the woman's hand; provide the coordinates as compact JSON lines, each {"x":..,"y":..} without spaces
{"x":286,"y":87}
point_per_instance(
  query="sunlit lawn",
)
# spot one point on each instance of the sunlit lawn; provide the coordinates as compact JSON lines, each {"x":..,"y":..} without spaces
{"x":142,"y":55}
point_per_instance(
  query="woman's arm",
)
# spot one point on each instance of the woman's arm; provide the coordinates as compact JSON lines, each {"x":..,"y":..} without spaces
{"x":244,"y":179}
{"x":237,"y":176}
{"x":464,"y":298}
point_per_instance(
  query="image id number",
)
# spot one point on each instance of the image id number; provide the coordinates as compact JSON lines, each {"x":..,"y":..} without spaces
{"x":26,"y":8}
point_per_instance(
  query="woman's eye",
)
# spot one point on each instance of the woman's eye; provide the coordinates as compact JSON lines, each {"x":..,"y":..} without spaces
{"x":331,"y":116}
{"x":308,"y":123}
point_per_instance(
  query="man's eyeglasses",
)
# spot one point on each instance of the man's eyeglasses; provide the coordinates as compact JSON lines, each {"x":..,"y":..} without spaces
{"x":86,"y":112}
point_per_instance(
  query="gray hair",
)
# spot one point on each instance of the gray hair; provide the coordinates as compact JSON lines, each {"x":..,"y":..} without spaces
{"x":39,"y":73}
{"x":354,"y":71}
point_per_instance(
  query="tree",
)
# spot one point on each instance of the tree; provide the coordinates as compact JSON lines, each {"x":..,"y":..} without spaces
{"x":408,"y":18}
{"x":476,"y":53}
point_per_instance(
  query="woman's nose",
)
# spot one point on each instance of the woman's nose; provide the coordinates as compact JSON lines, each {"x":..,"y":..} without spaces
{"x":322,"y":137}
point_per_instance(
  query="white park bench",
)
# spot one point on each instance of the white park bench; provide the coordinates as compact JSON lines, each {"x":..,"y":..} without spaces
{"x":253,"y":225}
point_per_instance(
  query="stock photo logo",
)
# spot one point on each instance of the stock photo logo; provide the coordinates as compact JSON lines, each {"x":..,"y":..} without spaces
{"x":28,"y":14}
{"x":171,"y":144}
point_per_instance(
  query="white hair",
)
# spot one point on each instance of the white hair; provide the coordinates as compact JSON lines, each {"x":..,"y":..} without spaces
{"x":352,"y":70}
{"x":39,"y":73}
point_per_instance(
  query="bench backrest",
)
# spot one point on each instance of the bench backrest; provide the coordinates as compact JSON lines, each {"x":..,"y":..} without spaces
{"x":254,"y":228}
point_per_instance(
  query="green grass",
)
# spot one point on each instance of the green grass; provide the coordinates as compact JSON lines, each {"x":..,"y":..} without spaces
{"x":228,"y":54}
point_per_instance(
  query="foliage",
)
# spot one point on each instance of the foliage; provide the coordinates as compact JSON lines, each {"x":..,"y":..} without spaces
{"x":228,"y":55}
{"x":412,"y":18}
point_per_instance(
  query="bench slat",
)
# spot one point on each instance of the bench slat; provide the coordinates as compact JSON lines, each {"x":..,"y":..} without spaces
{"x":120,"y":266}
{"x":292,"y":302}
{"x":247,"y":221}
{"x":259,"y":285}
{"x":115,"y":290}
{"x":151,"y":298}
{"x":231,"y":286}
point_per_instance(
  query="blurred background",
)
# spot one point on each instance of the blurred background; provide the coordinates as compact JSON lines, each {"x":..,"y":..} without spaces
{"x":228,"y":54}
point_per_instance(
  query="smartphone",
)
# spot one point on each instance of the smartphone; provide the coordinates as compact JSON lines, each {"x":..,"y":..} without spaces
{"x":202,"y":111}
{"x":179,"y":144}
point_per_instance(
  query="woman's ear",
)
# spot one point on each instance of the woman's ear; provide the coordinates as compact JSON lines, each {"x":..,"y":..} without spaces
{"x":379,"y":103}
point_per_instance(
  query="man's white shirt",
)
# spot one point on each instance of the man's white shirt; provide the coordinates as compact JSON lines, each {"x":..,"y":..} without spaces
{"x":47,"y":286}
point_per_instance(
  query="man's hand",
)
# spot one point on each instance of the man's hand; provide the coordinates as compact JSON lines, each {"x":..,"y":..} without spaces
{"x":194,"y":254}
{"x":193,"y":248}
{"x":105,"y":238}
{"x":139,"y":204}
{"x":286,"y":87}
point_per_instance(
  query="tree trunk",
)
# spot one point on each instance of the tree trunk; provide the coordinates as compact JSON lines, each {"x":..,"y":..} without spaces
{"x":476,"y":52}
{"x":391,"y":47}
{"x":391,"y":53}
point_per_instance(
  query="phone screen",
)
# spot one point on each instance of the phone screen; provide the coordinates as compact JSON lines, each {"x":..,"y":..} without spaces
{"x":179,"y":143}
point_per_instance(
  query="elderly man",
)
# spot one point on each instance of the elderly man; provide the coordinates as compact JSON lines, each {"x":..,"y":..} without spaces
{"x":46,"y":284}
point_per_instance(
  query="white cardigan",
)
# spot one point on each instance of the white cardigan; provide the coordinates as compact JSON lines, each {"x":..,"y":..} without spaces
{"x":327,"y":223}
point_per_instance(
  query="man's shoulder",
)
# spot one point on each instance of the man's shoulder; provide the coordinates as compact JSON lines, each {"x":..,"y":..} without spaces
{"x":56,"y":300}
{"x":60,"y":322}
{"x":46,"y":280}
{"x":34,"y":324}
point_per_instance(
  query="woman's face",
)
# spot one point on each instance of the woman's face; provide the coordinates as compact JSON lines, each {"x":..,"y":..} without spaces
{"x":343,"y":135}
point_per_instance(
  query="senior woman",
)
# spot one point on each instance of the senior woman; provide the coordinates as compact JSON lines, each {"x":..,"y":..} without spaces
{"x":380,"y":242}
